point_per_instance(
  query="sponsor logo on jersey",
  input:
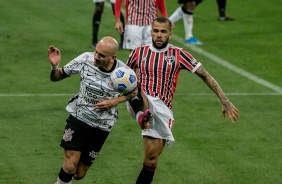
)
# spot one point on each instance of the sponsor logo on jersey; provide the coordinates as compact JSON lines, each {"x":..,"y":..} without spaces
{"x":93,"y":155}
{"x":95,"y":91}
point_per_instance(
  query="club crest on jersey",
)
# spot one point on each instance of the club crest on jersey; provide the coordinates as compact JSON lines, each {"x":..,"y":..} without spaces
{"x":68,"y":134}
{"x":143,"y":59}
{"x":169,"y":59}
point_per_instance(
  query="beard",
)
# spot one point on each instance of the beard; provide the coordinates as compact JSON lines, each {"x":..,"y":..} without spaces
{"x":161,"y":46}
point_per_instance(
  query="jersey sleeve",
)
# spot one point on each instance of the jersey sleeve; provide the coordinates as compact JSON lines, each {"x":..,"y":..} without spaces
{"x":75,"y":65}
{"x":188,"y":62}
{"x":162,"y":7}
{"x":131,"y":62}
{"x":118,"y":4}
{"x":120,"y":64}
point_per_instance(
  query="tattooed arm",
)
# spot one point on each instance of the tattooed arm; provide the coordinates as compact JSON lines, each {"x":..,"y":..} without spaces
{"x":227,"y":107}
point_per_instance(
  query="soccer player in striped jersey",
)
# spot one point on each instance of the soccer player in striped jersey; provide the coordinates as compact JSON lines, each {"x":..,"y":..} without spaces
{"x":91,"y":118}
{"x":139,"y":17}
{"x":157,"y":66}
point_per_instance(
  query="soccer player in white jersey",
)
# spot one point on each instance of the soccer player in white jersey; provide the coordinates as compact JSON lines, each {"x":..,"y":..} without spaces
{"x":158,"y":66}
{"x":89,"y":123}
{"x":139,"y":17}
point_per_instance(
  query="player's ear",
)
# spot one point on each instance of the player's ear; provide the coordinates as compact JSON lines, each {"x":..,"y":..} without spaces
{"x":114,"y":57}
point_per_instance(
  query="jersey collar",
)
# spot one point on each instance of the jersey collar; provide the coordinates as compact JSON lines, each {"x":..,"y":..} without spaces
{"x":159,"y":50}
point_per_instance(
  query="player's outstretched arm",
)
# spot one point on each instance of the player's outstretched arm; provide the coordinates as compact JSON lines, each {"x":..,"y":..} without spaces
{"x":107,"y":104}
{"x":54,"y":56}
{"x":227,"y":107}
{"x":162,"y":7}
{"x":231,"y":111}
{"x":119,"y":24}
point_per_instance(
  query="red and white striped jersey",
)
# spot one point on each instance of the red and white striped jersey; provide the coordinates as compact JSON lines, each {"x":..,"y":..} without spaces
{"x":141,"y":12}
{"x":158,"y":70}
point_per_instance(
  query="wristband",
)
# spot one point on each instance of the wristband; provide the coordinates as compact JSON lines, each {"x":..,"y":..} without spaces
{"x":54,"y":67}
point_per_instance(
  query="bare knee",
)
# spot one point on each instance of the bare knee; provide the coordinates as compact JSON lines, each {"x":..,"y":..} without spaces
{"x":69,"y":167}
{"x":71,"y":160}
{"x":153,"y":149}
{"x":152,"y":161}
{"x":81,"y":171}
{"x":78,"y":176}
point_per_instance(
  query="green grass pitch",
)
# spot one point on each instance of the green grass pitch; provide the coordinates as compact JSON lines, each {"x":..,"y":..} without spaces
{"x":208,"y":148}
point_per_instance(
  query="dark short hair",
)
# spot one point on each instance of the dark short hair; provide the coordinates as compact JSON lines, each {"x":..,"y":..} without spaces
{"x":163,"y":20}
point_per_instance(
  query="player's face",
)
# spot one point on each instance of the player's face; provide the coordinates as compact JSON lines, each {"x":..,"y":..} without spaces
{"x":102,"y":57}
{"x":160,"y":35}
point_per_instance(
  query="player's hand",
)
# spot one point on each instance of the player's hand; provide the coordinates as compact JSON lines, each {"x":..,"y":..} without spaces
{"x":104,"y":105}
{"x":144,"y":119}
{"x":54,"y":55}
{"x":231,"y":111}
{"x":145,"y":126}
{"x":119,"y":27}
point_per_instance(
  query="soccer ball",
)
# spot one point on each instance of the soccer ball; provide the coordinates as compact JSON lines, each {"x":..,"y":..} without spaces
{"x":123,"y":80}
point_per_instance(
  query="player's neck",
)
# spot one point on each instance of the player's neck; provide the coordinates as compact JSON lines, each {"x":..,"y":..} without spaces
{"x":109,"y":67}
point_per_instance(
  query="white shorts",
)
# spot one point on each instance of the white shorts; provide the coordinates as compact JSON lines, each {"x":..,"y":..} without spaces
{"x":161,"y":122}
{"x":135,"y":36}
{"x":99,"y":1}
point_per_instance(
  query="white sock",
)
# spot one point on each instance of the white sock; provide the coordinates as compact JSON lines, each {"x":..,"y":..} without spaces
{"x":177,"y":14}
{"x":188,"y":25}
{"x":61,"y":182}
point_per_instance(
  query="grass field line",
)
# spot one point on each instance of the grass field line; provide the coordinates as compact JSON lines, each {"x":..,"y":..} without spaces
{"x":222,"y":62}
{"x":176,"y":94}
{"x":228,"y":65}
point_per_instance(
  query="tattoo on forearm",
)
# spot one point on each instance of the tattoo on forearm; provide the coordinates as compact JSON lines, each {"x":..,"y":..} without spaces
{"x":201,"y":72}
{"x":210,"y":81}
